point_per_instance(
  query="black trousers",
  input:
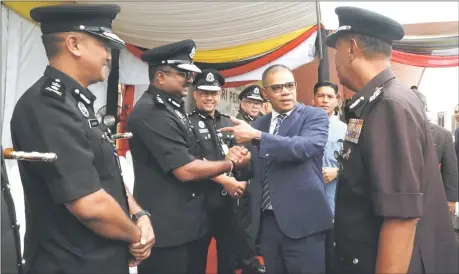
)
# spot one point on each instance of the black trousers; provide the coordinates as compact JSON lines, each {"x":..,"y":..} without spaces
{"x":190,"y":258}
{"x":223,"y":231}
{"x":329,"y":250}
{"x":245,"y":236}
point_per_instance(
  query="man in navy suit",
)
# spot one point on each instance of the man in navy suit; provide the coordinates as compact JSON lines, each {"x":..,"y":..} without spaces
{"x":287,"y":147}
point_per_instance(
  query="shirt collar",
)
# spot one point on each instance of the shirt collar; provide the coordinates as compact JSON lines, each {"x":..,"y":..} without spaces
{"x":205,"y":115}
{"x":71,"y":85}
{"x":163,"y":96}
{"x":373,"y":89}
{"x":275,"y":113}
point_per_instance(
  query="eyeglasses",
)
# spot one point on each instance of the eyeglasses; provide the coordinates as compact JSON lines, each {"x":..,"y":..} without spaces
{"x":253,"y":103}
{"x":186,"y":74}
{"x":279,"y":87}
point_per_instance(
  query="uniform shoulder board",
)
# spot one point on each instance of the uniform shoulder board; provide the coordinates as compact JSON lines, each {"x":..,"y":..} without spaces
{"x":225,"y":115}
{"x":158,"y":100}
{"x":191,"y":113}
{"x":53,"y":88}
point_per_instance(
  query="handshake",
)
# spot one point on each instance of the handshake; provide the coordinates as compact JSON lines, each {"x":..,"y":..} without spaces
{"x":239,"y":156}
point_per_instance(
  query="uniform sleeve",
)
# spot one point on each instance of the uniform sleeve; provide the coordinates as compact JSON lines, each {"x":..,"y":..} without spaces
{"x":449,"y":170}
{"x":49,"y":125}
{"x":393,"y":151}
{"x":164,"y":139}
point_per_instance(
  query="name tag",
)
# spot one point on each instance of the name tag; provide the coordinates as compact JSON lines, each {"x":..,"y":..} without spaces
{"x":354,"y":128}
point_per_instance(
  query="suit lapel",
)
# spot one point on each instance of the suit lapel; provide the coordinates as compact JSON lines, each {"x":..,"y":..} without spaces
{"x":265,"y":123}
{"x":288,"y":122}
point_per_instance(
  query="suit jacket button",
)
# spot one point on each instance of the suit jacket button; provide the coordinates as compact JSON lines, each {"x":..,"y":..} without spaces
{"x":355,"y":261}
{"x":193,"y":195}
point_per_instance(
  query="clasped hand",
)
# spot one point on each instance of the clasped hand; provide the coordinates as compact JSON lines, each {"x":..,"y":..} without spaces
{"x":142,"y":249}
{"x":240,"y":156}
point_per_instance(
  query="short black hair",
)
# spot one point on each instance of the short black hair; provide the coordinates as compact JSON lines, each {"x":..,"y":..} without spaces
{"x":273,"y":68}
{"x":325,"y":84}
{"x":51,"y":43}
{"x":414,"y":87}
{"x":371,"y":45}
{"x":152,"y":70}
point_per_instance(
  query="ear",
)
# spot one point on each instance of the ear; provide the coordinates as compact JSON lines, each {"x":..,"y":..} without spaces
{"x":264,"y":92}
{"x":313,"y":102}
{"x":73,"y":44}
{"x":160,"y":77}
{"x":195,"y":94}
{"x":353,"y":48}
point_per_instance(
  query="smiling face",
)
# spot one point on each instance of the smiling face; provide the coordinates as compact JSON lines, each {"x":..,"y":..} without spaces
{"x":280,"y":89}
{"x":207,"y":101}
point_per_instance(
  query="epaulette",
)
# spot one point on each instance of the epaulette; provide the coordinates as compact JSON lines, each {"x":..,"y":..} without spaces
{"x":191,"y":113}
{"x":53,"y":88}
{"x":225,"y":115}
{"x":158,"y":100}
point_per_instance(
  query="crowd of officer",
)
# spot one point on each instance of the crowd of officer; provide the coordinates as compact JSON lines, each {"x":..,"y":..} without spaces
{"x":188,"y":189}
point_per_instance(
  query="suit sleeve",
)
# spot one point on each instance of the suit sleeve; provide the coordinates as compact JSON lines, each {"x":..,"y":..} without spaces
{"x":310,"y":141}
{"x":164,"y":138}
{"x":50,"y":125}
{"x":393,"y":145}
{"x":449,"y":170}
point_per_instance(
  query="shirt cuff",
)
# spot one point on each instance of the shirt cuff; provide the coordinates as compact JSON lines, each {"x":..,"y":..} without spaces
{"x":74,"y":186}
{"x":398,"y":205}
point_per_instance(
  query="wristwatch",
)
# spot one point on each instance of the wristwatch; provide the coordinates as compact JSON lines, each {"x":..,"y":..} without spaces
{"x":255,"y":141}
{"x":139,"y":214}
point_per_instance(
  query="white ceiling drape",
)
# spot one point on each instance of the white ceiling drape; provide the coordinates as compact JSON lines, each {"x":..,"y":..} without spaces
{"x":212,"y":25}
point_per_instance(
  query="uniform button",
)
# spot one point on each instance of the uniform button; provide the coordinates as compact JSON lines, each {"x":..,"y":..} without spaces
{"x":57,"y":80}
{"x":77,"y":91}
{"x":193,"y":195}
{"x":23,"y":261}
{"x":355,"y":261}
{"x":334,"y":243}
{"x":267,"y":154}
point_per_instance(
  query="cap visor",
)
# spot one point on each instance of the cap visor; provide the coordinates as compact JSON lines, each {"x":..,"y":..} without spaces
{"x":330,"y":40}
{"x":209,"y":88}
{"x":113,"y":41}
{"x":189,"y":67}
{"x":255,"y":98}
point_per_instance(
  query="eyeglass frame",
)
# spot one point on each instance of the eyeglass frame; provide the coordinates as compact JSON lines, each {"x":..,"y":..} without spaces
{"x":282,"y":86}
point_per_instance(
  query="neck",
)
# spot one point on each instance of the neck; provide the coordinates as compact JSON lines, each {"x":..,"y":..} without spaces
{"x":69,"y":68}
{"x":369,"y":71}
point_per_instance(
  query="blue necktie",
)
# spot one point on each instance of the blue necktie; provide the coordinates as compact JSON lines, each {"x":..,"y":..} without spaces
{"x":265,"y":198}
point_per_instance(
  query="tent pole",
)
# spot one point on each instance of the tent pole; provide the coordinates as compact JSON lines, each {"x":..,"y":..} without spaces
{"x":324,"y":68}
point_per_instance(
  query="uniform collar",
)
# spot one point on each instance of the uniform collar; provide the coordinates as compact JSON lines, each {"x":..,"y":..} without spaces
{"x":71,"y":85}
{"x":205,"y":115}
{"x":365,"y":96}
{"x":161,"y":96}
{"x":246,"y":116}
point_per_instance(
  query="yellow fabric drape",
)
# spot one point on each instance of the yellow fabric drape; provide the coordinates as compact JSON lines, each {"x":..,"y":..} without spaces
{"x":23,"y":8}
{"x":223,"y":55}
{"x":246,"y":51}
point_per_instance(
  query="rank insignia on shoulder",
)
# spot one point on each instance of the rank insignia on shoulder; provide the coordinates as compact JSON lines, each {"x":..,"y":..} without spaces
{"x":376,"y":93}
{"x":158,"y":100}
{"x":53,"y":88}
{"x":225,"y":115}
{"x":354,"y":128}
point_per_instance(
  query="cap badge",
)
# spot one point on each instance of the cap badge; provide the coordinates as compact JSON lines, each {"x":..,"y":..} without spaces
{"x":256,"y":91}
{"x":210,"y":77}
{"x":343,"y":28}
{"x":193,"y":52}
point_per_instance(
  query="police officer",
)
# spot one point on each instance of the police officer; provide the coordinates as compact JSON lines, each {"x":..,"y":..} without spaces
{"x":248,"y":211}
{"x":251,"y":102}
{"x":77,"y":208}
{"x":206,"y":119}
{"x":391,"y":211}
{"x":11,"y":243}
{"x":168,"y":163}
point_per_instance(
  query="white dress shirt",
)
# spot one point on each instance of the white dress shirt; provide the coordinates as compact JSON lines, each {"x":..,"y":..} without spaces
{"x":274,"y":117}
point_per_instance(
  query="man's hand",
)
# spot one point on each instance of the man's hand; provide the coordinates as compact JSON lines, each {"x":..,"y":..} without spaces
{"x":234,"y":188}
{"x":142,"y":249}
{"x":329,"y":173}
{"x":243,"y":133}
{"x":240,"y":156}
{"x":452,"y":207}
